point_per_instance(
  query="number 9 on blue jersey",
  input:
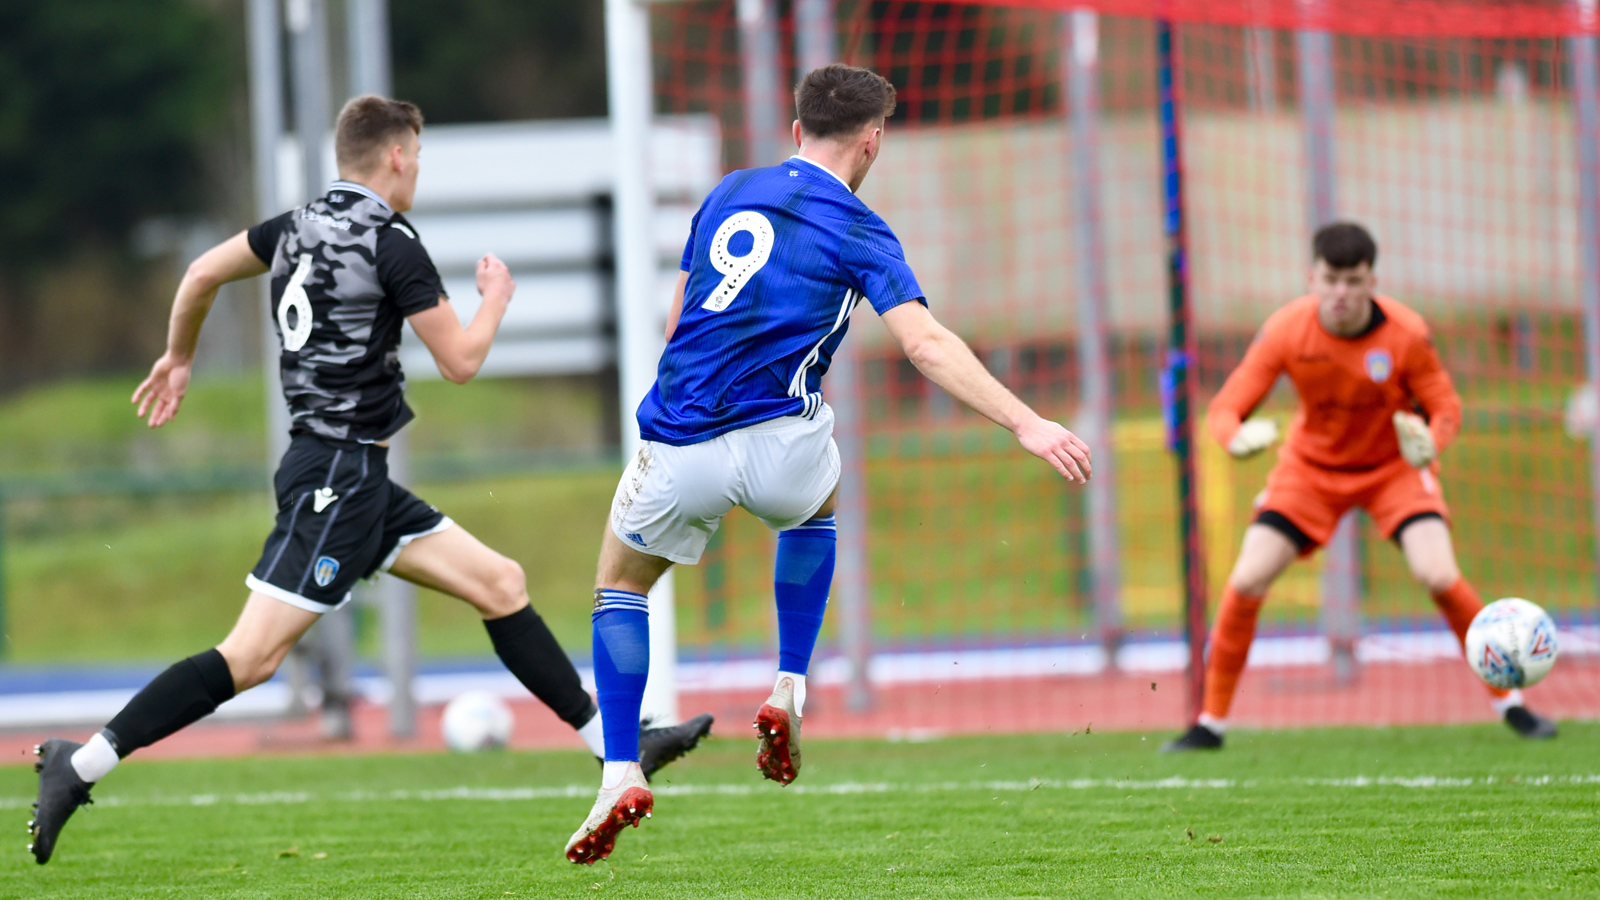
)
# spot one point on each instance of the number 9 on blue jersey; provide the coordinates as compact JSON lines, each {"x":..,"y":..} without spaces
{"x":737,"y":271}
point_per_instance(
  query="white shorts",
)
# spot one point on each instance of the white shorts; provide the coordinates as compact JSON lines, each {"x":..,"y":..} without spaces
{"x":672,"y":499}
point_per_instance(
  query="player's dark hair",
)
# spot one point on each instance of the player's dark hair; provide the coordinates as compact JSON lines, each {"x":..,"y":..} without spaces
{"x":840,"y":100}
{"x":369,"y":124}
{"x":1344,"y":245}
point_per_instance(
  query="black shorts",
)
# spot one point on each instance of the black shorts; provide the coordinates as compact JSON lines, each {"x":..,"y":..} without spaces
{"x":340,"y":519}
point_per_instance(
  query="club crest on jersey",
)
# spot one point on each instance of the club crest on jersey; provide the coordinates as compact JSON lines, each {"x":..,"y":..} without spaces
{"x":327,"y":569}
{"x":1380,"y":365}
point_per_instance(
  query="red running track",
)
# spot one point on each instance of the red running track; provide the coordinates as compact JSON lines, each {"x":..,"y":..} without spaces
{"x":1290,"y":697}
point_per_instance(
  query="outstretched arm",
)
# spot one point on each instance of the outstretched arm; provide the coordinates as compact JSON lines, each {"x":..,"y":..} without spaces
{"x":1244,"y":390}
{"x":947,"y":361}
{"x":160,"y":394}
{"x":459,"y":351}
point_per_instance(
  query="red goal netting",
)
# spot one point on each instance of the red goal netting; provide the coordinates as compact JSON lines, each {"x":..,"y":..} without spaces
{"x":1450,"y":128}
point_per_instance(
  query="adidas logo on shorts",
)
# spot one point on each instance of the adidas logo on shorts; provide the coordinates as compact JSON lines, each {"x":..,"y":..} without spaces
{"x":637,"y":539}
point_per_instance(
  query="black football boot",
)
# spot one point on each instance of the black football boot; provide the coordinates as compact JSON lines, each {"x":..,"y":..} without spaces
{"x":61,"y":792}
{"x":659,"y":746}
{"x":1198,"y":737}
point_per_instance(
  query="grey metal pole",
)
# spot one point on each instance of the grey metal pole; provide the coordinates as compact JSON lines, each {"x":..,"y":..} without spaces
{"x":640,"y":310}
{"x":397,"y":600}
{"x":815,"y":34}
{"x":333,"y":638}
{"x":1082,"y":76}
{"x":815,"y":47}
{"x":266,"y":121}
{"x":308,"y":48}
{"x":1586,"y":97}
{"x":367,"y":36}
{"x":367,"y":30}
{"x":759,"y":63}
{"x":1341,"y":568}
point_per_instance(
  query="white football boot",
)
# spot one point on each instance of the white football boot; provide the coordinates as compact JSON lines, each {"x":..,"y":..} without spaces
{"x":778,"y":725}
{"x":616,"y":808}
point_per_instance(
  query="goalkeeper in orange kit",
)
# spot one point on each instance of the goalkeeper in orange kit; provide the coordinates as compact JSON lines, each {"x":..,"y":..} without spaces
{"x":1376,"y":408}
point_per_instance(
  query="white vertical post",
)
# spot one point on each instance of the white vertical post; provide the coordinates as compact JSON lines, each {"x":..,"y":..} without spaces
{"x":266,"y":120}
{"x":760,"y":67}
{"x":1081,"y":74}
{"x":333,"y":638}
{"x":266,"y":126}
{"x":367,"y":40}
{"x":1586,"y":97}
{"x":640,"y":317}
{"x":1341,"y":565}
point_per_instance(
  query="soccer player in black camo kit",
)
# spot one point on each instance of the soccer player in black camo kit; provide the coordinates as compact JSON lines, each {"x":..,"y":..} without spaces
{"x":347,"y":270}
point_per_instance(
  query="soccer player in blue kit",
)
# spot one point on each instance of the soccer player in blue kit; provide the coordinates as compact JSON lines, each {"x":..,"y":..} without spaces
{"x":776,"y":261}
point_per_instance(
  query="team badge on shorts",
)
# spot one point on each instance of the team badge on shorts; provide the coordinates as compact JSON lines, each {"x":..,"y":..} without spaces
{"x":327,"y":570}
{"x":1380,"y":365}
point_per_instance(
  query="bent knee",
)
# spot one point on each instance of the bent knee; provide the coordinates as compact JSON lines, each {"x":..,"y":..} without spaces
{"x":507,"y":588}
{"x":1436,"y":579}
{"x":251,"y":666}
{"x":1251,"y":583}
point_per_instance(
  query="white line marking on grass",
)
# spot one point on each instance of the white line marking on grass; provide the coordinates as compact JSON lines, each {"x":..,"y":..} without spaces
{"x":574,"y":791}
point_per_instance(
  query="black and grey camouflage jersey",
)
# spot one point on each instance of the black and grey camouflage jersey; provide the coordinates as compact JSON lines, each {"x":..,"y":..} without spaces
{"x":346,"y":271}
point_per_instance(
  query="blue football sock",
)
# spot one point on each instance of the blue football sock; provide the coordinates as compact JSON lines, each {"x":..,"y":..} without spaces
{"x":621,"y":666}
{"x":801,"y":579}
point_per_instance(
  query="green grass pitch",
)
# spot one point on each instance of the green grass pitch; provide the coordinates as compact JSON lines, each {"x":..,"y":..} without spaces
{"x":1400,"y":812}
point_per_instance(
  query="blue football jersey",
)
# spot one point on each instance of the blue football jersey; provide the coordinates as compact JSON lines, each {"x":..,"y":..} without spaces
{"x":777,"y":259}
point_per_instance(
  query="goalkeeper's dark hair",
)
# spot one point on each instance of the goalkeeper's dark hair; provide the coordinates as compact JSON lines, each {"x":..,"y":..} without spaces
{"x":370,"y":124}
{"x":839,"y":100}
{"x":1344,"y":245}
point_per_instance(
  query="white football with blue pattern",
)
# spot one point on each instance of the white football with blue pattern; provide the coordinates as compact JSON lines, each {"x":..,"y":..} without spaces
{"x":1511,"y":643}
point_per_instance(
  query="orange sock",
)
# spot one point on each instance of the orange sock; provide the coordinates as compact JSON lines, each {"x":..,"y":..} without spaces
{"x":1231,"y":635}
{"x":1460,"y":602}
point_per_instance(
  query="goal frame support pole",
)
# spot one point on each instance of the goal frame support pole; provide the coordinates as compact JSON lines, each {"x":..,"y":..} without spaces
{"x":639,"y":315}
{"x":816,"y":45}
{"x":1341,"y":563}
{"x":1585,"y":53}
{"x":760,"y":63}
{"x":1182,"y":377}
{"x":1081,"y":73}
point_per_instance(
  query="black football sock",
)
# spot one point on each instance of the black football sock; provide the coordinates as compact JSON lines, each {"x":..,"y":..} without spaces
{"x":185,"y":693}
{"x":530,"y":651}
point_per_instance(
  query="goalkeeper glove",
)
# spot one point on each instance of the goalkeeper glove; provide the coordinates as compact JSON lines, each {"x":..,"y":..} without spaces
{"x":1416,"y":441}
{"x":1253,"y":437}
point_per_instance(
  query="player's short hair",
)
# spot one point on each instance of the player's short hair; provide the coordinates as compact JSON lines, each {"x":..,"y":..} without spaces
{"x":840,"y":100}
{"x":1344,"y":245}
{"x":369,"y":124}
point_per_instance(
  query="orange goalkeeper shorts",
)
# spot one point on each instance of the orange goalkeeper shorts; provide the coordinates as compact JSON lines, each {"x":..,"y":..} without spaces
{"x":1312,"y":498}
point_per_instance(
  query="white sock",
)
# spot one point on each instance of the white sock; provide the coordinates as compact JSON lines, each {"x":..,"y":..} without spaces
{"x":799,"y":690}
{"x":1214,"y":724}
{"x":95,"y":759}
{"x":614,"y":771}
{"x":594,"y":736}
{"x":1501,"y":704}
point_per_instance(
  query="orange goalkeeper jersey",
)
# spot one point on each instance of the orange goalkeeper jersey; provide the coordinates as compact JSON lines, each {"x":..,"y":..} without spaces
{"x":1349,"y":388}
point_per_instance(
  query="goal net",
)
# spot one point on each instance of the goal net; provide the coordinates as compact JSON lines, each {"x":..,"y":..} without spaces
{"x":1022,"y":171}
